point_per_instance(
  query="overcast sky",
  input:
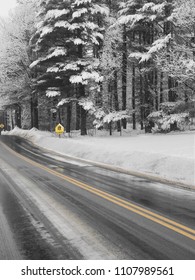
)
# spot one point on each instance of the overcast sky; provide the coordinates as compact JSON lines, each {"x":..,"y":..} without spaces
{"x":5,"y":6}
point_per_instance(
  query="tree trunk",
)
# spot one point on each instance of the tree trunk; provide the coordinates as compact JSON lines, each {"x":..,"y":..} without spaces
{"x":110,"y":128}
{"x":156,"y":88}
{"x":82,"y":94}
{"x":68,"y":117}
{"x":116,"y":103}
{"x":78,"y":110}
{"x":146,"y":96}
{"x":59,"y":116}
{"x":83,"y":111}
{"x":168,"y":28}
{"x":18,"y":115}
{"x":110,"y":103}
{"x":12,"y":118}
{"x":141,"y":86}
{"x":161,"y":87}
{"x":141,"y":103}
{"x":133,"y":95}
{"x":78,"y":116}
{"x":124,"y":75}
{"x":171,"y":86}
{"x":34,"y":111}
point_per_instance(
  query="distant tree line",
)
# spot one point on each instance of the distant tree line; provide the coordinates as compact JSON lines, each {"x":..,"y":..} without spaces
{"x":98,"y":63}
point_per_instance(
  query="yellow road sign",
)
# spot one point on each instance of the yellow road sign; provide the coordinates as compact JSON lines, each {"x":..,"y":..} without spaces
{"x":59,"y":129}
{"x":1,"y":125}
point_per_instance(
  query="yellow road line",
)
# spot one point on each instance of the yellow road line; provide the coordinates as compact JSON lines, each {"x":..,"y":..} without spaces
{"x":179,"y":228}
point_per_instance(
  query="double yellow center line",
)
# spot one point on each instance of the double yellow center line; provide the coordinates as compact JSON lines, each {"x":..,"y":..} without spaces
{"x":170,"y":224}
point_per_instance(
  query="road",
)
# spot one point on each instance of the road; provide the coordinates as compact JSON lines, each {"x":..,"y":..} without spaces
{"x":55,"y":208}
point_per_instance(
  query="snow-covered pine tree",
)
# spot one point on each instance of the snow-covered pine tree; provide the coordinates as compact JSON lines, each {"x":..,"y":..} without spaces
{"x":111,"y":60}
{"x":50,"y":44}
{"x":68,"y":38}
{"x":179,"y":62}
{"x":157,"y":13}
{"x":172,"y":54}
{"x":87,"y":24}
{"x":147,"y":22}
{"x":130,"y":20}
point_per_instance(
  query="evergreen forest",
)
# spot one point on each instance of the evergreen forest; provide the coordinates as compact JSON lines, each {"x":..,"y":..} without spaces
{"x":98,"y":64}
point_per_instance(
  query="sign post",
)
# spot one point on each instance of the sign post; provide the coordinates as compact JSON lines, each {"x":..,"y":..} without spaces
{"x":1,"y":127}
{"x":59,"y":129}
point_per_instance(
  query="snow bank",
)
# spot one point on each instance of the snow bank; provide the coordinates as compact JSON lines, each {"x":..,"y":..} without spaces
{"x":170,"y":156}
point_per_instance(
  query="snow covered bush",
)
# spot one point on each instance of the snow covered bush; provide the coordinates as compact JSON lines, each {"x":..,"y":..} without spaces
{"x":169,"y":118}
{"x":101,"y":115}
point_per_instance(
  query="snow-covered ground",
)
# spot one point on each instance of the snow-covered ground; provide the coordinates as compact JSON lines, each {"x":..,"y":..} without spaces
{"x":169,"y":156}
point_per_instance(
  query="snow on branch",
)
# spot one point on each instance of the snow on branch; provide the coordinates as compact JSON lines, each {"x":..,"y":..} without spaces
{"x":123,"y":9}
{"x":94,"y":40}
{"x":98,"y":35}
{"x":41,"y":82}
{"x":79,"y":13}
{"x":52,"y":92}
{"x":100,"y":9}
{"x":189,"y":65}
{"x":160,"y":44}
{"x":39,"y":24}
{"x":136,"y":55}
{"x":156,"y":8}
{"x":63,"y":23}
{"x":147,"y":7}
{"x":80,"y":2}
{"x":82,"y":62}
{"x":34,"y":63}
{"x":88,"y":105}
{"x":152,"y":17}
{"x":131,"y":19}
{"x":145,"y":57}
{"x":76,"y":79}
{"x":56,"y":13}
{"x":71,"y":66}
{"x":65,"y":101}
{"x":142,"y":57}
{"x":46,"y":30}
{"x":84,"y":77}
{"x":54,"y":52}
{"x":91,"y":25}
{"x":75,"y":66}
{"x":67,"y":25}
{"x":78,"y":41}
{"x":98,"y":113}
{"x":58,"y":51}
{"x":55,"y":68}
{"x":115,"y":116}
{"x":122,"y":5}
{"x":74,"y":26}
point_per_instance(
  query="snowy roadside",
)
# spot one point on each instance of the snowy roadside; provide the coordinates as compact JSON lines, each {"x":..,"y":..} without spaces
{"x":170,"y":156}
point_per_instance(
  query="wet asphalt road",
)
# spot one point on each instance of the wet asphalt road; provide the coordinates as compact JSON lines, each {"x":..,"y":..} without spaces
{"x":46,"y":215}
